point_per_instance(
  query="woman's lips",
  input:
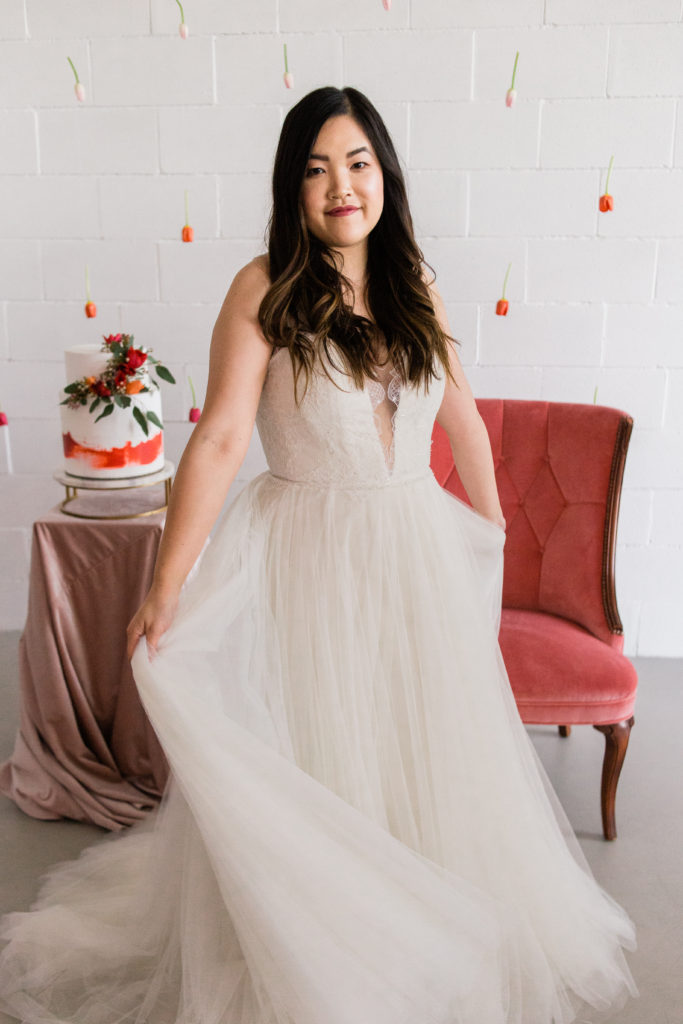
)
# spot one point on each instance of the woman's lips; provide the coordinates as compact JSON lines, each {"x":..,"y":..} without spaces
{"x":344,"y":212}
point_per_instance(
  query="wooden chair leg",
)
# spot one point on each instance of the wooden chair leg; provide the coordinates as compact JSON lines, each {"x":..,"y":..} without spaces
{"x":616,"y":741}
{"x":565,"y":730}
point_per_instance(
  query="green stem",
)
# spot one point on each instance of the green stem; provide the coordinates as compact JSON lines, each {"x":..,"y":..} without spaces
{"x":187,"y":215}
{"x":182,"y":12}
{"x":505,"y":282}
{"x":514,"y":70}
{"x":73,"y":69}
{"x":87,"y":283}
{"x":194,"y":397}
{"x":286,"y":65}
{"x":595,"y":395}
{"x":611,"y":160}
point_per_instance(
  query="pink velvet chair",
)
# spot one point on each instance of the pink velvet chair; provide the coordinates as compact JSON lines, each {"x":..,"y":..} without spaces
{"x":559,"y":468}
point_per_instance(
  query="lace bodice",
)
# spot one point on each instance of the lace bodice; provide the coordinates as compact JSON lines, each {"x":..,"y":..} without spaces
{"x":342,"y":436}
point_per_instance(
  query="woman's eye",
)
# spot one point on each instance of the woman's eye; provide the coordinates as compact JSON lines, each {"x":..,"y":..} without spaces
{"x":311,"y":170}
{"x":364,"y":162}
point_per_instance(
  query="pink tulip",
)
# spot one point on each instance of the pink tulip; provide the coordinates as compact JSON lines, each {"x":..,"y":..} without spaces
{"x":289,"y":79}
{"x":184,"y":30}
{"x":80,"y":91}
{"x":195,"y":413}
{"x":510,"y":97}
{"x":386,"y":4}
{"x":3,"y":419}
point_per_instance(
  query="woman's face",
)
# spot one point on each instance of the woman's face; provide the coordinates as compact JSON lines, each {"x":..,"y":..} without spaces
{"x":342,"y":171}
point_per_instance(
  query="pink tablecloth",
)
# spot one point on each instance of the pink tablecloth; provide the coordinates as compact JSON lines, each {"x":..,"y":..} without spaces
{"x":85,"y":748}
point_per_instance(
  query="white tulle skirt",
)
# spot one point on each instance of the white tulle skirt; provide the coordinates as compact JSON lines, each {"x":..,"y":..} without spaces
{"x":357,"y":829}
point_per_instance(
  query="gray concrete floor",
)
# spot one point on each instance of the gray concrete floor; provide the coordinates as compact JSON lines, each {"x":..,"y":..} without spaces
{"x":642,"y":869}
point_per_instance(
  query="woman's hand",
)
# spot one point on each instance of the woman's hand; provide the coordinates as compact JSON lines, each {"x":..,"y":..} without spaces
{"x":152,"y":619}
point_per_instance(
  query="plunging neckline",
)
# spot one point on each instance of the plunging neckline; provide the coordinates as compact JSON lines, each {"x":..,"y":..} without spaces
{"x":377,"y":393}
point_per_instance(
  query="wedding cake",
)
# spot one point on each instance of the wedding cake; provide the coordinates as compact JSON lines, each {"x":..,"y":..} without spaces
{"x":111,"y":411}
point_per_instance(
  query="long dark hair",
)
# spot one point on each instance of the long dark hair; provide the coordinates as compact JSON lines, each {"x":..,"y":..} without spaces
{"x":304,"y":307}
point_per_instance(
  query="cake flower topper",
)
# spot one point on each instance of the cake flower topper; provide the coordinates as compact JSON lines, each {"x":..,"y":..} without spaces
{"x":195,"y":413}
{"x":183,"y":29}
{"x":188,"y":232}
{"x":606,"y":200}
{"x":289,"y":77}
{"x":90,"y":307}
{"x":511,"y":94}
{"x":79,"y":88}
{"x":124,"y":376}
{"x":502,"y":304}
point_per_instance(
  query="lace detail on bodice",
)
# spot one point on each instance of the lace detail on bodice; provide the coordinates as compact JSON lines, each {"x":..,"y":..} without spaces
{"x":343,"y":436}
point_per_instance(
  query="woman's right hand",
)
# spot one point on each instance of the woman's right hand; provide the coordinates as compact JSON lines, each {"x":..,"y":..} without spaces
{"x":152,"y":619}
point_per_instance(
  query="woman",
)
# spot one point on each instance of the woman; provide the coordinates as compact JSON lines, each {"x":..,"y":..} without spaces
{"x":357,"y":828}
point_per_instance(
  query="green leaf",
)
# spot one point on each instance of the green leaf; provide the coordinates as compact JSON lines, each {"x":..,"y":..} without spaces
{"x":153,"y":418}
{"x":95,"y":404}
{"x":70,"y":388}
{"x":141,"y":420}
{"x":107,"y":412}
{"x":165,"y":373}
{"x":125,"y":401}
{"x":119,"y":401}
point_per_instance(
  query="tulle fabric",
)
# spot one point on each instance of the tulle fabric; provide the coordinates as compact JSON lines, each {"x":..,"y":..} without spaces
{"x":357,"y":829}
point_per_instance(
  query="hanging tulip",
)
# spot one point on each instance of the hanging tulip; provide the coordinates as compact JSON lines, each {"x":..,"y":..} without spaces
{"x":502,"y":304}
{"x":289,"y":77}
{"x":90,"y":307}
{"x":183,"y":29}
{"x":606,"y":200}
{"x":195,"y":413}
{"x":4,"y":422}
{"x":188,"y":232}
{"x":79,"y":88}
{"x":511,"y":94}
{"x":386,"y":4}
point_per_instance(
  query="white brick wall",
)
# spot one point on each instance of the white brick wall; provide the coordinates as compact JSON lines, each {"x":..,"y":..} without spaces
{"x":595,"y":299}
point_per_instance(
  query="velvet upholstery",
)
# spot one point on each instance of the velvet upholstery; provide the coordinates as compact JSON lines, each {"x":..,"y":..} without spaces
{"x":559,"y":469}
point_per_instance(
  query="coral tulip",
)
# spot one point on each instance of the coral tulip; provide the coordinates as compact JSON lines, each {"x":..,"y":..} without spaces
{"x":134,"y":387}
{"x":606,"y":201}
{"x":90,"y":310}
{"x":502,"y":305}
{"x":188,"y":232}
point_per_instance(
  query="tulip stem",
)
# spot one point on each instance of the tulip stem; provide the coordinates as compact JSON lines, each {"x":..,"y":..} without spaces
{"x":87,"y":283}
{"x":609,"y":171}
{"x":182,"y":12}
{"x":187,"y":215}
{"x":514,"y":70}
{"x":286,"y":65}
{"x":505,"y":282}
{"x":194,"y":397}
{"x":73,"y":69}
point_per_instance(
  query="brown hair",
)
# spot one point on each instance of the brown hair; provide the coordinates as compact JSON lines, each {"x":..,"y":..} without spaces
{"x":304,"y":306}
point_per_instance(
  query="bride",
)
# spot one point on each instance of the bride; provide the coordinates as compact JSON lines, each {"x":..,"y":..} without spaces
{"x":356,"y":829}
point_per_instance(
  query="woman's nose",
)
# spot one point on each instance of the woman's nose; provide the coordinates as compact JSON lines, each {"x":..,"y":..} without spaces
{"x":339,"y":184}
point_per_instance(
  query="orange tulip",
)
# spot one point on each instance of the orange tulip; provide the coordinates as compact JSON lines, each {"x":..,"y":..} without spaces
{"x":134,"y":387}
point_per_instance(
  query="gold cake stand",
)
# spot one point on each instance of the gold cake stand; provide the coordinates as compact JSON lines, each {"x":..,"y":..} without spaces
{"x":74,"y":484}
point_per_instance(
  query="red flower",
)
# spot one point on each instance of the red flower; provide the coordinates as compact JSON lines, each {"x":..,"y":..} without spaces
{"x":113,"y":339}
{"x":120,"y":378}
{"x":3,"y":419}
{"x":135,"y":358}
{"x":101,"y":389}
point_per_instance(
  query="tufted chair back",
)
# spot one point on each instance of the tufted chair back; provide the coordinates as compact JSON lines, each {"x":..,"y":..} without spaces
{"x":559,"y":468}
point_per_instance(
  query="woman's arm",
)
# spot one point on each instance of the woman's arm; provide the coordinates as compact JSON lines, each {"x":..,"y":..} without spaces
{"x":238,"y":364}
{"x":467,"y":434}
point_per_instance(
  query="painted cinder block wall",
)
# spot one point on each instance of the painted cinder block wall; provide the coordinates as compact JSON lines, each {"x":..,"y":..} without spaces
{"x":596,"y":300}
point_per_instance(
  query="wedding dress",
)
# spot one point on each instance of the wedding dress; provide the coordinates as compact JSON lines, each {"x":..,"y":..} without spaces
{"x":357,"y":829}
